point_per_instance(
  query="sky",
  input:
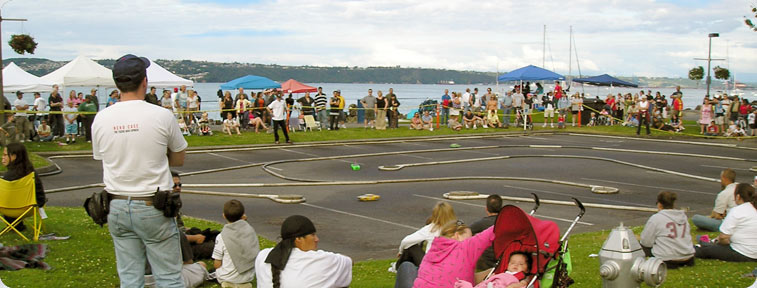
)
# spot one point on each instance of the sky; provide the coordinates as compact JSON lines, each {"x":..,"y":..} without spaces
{"x":655,"y":38}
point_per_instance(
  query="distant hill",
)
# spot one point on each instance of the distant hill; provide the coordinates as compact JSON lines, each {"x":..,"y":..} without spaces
{"x":203,"y":71}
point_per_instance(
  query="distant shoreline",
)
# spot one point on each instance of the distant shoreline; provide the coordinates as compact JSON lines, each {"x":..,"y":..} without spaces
{"x":215,"y":72}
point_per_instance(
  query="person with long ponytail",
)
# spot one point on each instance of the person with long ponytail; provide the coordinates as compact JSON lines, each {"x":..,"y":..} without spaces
{"x":737,"y":241}
{"x":296,"y":262}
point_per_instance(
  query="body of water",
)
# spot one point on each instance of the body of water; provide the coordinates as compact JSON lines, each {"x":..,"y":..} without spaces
{"x":409,"y":95}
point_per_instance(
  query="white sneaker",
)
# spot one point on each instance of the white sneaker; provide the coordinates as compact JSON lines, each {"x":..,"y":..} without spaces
{"x":544,"y":126}
{"x":474,"y":126}
{"x":431,"y":129}
{"x":551,"y":125}
{"x":466,"y":126}
{"x":485,"y":126}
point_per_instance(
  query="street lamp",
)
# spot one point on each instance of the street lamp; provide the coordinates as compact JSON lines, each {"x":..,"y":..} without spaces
{"x":709,"y":59}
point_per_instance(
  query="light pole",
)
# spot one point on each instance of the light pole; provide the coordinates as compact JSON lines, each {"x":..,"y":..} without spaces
{"x":709,"y":59}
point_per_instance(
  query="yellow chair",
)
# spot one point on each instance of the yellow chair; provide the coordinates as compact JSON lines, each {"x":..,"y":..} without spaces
{"x":18,"y":200}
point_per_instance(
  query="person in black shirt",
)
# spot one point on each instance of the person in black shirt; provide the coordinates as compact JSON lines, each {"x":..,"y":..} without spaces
{"x":56,"y":119}
{"x":493,"y":205}
{"x":334,"y":112}
{"x":307,"y":104}
{"x":151,"y":97}
{"x":290,"y":100}
{"x":394,"y":112}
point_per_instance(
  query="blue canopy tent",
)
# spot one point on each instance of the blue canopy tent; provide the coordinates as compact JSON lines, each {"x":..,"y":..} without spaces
{"x":250,"y":82}
{"x":605,"y":80}
{"x":530,"y":73}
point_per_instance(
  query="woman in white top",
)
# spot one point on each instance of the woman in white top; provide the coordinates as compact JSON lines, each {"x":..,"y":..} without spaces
{"x":193,"y":101}
{"x":411,"y":250}
{"x":643,"y":114}
{"x":737,"y":241}
{"x":576,"y":104}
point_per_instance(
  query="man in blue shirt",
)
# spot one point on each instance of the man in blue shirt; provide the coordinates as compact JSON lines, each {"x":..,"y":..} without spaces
{"x":446,"y":103}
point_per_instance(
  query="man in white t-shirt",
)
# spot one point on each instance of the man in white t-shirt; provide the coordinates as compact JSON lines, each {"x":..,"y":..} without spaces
{"x":278,"y":109}
{"x":40,"y":105}
{"x":137,"y":142}
{"x":467,"y":100}
{"x":23,"y":126}
{"x":737,"y":241}
{"x":723,"y":203}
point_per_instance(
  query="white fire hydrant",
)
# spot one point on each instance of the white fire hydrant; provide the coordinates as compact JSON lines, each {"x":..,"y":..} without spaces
{"x":624,"y":265}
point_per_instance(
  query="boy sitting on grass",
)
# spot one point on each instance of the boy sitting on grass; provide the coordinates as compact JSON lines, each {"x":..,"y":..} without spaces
{"x":236,"y":248}
{"x":712,"y":129}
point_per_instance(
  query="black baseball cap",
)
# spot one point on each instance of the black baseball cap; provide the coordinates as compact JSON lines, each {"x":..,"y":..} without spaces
{"x":19,"y":93}
{"x":130,"y":67}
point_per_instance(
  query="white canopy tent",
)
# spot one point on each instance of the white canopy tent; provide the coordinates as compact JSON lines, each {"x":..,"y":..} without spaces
{"x":160,"y":77}
{"x":81,"y":71}
{"x":16,"y":79}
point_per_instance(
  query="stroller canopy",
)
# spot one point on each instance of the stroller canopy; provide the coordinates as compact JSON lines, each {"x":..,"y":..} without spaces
{"x":516,"y":231}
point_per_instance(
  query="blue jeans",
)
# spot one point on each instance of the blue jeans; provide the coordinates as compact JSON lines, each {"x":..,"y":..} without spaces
{"x":445,"y":115}
{"x":406,"y":275}
{"x":323,"y":117}
{"x":139,"y":230}
{"x":706,"y":223}
{"x":506,"y":116}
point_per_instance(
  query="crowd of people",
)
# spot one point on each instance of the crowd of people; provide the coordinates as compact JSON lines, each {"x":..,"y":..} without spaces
{"x":54,"y":117}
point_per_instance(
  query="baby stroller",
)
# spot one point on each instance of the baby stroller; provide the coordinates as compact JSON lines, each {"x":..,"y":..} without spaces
{"x":516,"y":231}
{"x":519,"y":118}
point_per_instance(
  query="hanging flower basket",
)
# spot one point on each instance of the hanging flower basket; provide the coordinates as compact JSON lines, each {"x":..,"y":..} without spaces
{"x":22,"y":43}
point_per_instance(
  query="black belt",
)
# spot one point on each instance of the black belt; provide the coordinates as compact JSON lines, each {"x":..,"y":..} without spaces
{"x":148,"y":200}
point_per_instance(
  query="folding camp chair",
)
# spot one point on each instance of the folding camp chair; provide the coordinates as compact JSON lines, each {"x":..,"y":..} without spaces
{"x":310,"y":123}
{"x":18,"y":200}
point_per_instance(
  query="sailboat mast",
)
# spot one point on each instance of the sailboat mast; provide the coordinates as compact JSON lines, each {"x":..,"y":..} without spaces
{"x":544,"y":47}
{"x":570,"y":54}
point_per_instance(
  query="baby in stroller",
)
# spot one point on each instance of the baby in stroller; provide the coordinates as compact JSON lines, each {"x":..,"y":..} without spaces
{"x":522,"y":115}
{"x":604,"y":118}
{"x":515,"y":276}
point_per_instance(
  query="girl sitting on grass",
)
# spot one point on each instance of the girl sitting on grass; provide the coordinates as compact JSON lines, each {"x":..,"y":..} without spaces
{"x":230,"y":124}
{"x":257,"y":122}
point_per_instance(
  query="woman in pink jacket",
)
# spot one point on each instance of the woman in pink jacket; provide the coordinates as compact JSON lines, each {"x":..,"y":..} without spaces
{"x":453,"y":256}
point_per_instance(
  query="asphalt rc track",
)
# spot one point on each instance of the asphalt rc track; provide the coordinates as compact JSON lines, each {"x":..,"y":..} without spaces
{"x":553,"y":166}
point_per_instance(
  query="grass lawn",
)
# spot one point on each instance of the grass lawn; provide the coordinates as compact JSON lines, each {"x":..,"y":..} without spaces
{"x":87,"y":259}
{"x":247,"y":138}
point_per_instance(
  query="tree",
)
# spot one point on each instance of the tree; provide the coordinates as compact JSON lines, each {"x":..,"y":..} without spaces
{"x":749,"y":22}
{"x":696,"y":74}
{"x":722,"y":73}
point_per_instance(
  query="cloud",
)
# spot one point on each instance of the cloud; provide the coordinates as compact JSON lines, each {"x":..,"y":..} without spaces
{"x":633,"y":37}
{"x":237,"y":33}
